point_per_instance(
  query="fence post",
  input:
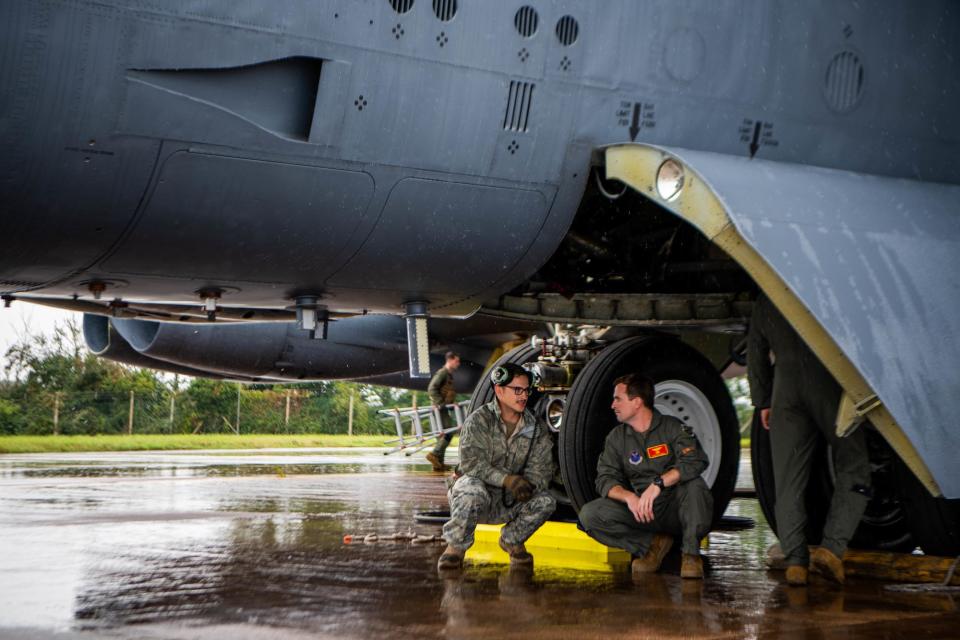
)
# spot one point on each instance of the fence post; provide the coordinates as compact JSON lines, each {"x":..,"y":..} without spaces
{"x":238,"y":408}
{"x":173,"y":406}
{"x":350,"y":418}
{"x":56,"y":413}
{"x":130,"y":416}
{"x":286,"y":415}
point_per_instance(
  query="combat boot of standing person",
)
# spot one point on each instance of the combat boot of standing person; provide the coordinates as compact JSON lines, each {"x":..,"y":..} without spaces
{"x":799,"y":406}
{"x":648,"y":477}
{"x":506,"y":462}
{"x":441,"y":394}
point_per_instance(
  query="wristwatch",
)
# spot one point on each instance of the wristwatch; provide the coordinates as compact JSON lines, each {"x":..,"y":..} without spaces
{"x":658,"y":480}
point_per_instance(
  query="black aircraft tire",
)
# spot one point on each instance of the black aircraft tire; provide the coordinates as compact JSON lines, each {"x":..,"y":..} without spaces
{"x":884,"y":525}
{"x":935,"y":522}
{"x":588,"y":417}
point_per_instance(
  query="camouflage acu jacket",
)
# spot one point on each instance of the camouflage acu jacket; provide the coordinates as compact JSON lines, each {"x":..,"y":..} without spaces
{"x":487,"y":454}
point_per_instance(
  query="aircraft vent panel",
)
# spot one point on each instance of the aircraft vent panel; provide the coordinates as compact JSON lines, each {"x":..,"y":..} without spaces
{"x":843,"y":82}
{"x":279,"y":95}
{"x":402,"y":6}
{"x":445,"y":10}
{"x":526,"y":21}
{"x":567,"y":30}
{"x":517,"y":115}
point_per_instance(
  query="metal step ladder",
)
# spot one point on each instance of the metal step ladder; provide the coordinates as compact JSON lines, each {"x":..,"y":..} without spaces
{"x":409,"y":423}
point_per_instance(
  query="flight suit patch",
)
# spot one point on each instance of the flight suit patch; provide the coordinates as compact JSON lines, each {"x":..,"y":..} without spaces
{"x":657,"y":451}
{"x":635,"y":457}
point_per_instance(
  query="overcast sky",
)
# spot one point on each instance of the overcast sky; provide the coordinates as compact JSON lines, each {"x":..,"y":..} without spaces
{"x":20,"y":316}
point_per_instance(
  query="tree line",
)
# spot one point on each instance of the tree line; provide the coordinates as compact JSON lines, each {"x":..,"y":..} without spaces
{"x":54,"y":384}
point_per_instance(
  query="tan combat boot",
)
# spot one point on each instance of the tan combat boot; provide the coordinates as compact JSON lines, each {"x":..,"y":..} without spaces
{"x":436,"y":462}
{"x":518,"y":553}
{"x":796,"y":575}
{"x":451,"y":558}
{"x":824,"y":562}
{"x":651,"y":560}
{"x":691,"y":566}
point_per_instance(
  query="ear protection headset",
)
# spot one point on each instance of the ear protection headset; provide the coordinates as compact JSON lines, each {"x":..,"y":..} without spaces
{"x":502,"y":374}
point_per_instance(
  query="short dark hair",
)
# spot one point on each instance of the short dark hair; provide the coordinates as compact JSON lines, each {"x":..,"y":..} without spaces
{"x":450,"y":355}
{"x":637,"y":384}
{"x":513,"y":371}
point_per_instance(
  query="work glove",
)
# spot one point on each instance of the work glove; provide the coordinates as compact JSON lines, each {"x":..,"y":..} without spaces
{"x":521,"y":489}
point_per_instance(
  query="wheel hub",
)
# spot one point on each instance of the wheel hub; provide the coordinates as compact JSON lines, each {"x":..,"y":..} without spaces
{"x":687,"y":403}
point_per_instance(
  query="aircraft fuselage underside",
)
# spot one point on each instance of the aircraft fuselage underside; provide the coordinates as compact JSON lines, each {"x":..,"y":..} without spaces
{"x":369,"y":157}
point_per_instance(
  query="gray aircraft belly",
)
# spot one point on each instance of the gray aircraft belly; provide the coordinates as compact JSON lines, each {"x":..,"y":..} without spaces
{"x":877,"y":262}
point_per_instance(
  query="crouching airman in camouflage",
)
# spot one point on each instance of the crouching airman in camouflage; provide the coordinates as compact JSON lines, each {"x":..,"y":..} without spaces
{"x":506,"y":464}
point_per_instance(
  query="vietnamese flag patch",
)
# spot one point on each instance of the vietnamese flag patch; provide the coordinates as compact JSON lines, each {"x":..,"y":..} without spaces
{"x":657,"y":451}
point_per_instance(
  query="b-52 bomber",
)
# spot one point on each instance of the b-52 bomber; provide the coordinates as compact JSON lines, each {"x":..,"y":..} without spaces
{"x":605,"y":186}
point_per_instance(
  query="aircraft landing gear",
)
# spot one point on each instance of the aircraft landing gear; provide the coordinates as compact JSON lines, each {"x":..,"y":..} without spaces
{"x":687,"y":387}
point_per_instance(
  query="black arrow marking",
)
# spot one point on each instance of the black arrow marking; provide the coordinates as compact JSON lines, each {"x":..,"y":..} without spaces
{"x":755,"y":144}
{"x":635,"y":127}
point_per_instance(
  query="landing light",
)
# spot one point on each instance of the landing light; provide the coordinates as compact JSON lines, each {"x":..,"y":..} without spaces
{"x":555,"y":413}
{"x":670,"y":180}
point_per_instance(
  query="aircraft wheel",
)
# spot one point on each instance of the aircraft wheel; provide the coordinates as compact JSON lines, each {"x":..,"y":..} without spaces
{"x":687,"y":386}
{"x":935,"y":522}
{"x":884,"y":524}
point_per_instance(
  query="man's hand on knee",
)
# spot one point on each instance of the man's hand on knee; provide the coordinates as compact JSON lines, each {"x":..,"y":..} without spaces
{"x":645,"y":500}
{"x":519,"y":486}
{"x":633,"y":504}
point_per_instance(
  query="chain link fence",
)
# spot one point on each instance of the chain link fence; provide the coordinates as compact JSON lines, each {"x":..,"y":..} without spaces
{"x":232,"y":409}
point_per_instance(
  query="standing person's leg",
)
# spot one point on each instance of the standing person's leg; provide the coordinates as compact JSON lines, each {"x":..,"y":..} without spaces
{"x":851,"y":489}
{"x":439,"y":450}
{"x":793,"y":439}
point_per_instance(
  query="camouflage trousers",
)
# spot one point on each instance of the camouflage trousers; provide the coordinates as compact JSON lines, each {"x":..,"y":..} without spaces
{"x":472,"y":502}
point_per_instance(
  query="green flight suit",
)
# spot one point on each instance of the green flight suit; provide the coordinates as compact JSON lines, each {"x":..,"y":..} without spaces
{"x":631,"y":460}
{"x":442,"y":393}
{"x":803,"y":399}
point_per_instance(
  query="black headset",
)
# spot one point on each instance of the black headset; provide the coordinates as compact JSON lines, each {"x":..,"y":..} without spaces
{"x":501,"y":375}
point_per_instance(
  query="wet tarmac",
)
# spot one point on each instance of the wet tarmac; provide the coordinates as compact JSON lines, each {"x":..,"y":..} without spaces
{"x":250,"y":545}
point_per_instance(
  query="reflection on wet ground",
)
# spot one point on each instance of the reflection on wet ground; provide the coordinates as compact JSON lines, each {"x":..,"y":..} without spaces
{"x":198,"y":545}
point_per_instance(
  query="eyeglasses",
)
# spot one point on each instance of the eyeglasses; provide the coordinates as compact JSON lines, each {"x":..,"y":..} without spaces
{"x":521,"y":391}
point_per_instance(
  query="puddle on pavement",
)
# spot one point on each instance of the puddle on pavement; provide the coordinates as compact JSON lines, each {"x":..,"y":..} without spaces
{"x":176,"y":546}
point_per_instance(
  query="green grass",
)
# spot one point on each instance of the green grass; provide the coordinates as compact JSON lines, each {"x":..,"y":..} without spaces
{"x":48,"y":444}
{"x":53,"y":444}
